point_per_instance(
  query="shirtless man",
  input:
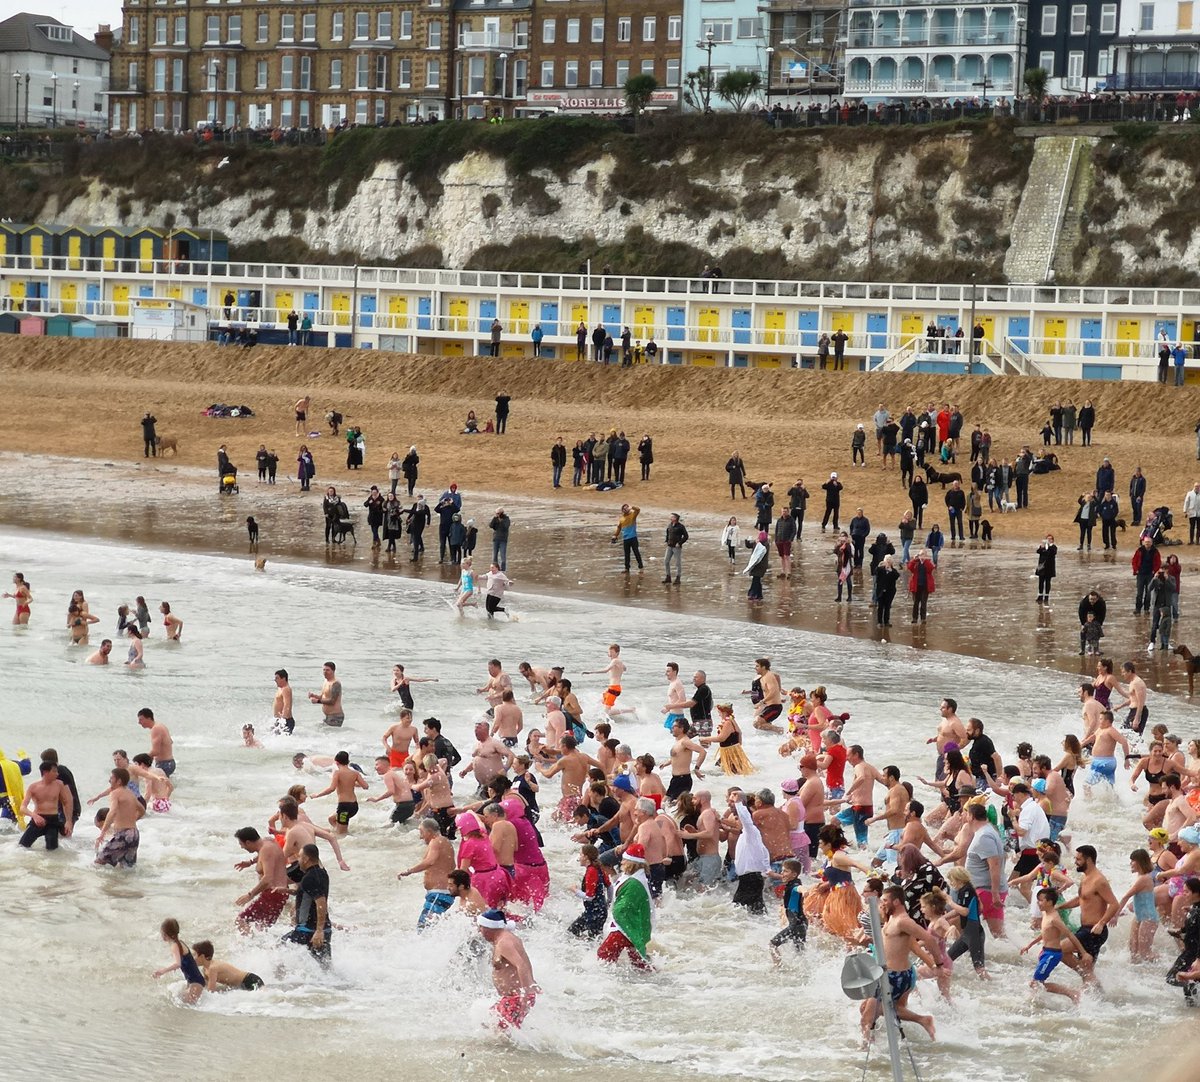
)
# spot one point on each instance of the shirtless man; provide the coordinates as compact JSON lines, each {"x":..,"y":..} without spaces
{"x":681,"y":759}
{"x":489,"y":758}
{"x":860,"y":795}
{"x":706,"y":867}
{"x":1104,"y":742}
{"x":502,"y":834}
{"x":281,"y":706}
{"x":914,"y":831}
{"x":950,"y":730}
{"x":156,"y":787}
{"x":770,"y":706}
{"x":1090,"y":710}
{"x":120,"y":824}
{"x":162,"y":750}
{"x":436,"y":864}
{"x":1056,"y":792}
{"x":774,"y":827}
{"x":398,"y":738}
{"x":100,"y":657}
{"x":1134,"y":690}
{"x":345,"y":780}
{"x":512,"y":973}
{"x":674,"y":858}
{"x":538,"y":679}
{"x":458,"y":885}
{"x":301,"y":409}
{"x":812,"y":796}
{"x":556,"y":725}
{"x":1179,"y":813}
{"x":902,"y":937}
{"x":895,"y":805}
{"x":264,"y":901}
{"x":498,"y":682}
{"x":508,"y":721}
{"x":1097,"y":906}
{"x":615,"y":671}
{"x":676,"y":697}
{"x":297,"y":833}
{"x":41,"y":803}
{"x":573,"y":765}
{"x":647,"y":834}
{"x":396,"y":786}
{"x":330,"y":697}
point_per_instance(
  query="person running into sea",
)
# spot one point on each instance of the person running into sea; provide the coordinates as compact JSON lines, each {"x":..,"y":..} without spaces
{"x":792,"y":908}
{"x":23,"y":597}
{"x":593,"y":891}
{"x":184,"y":962}
{"x":615,"y":671}
{"x":631,"y":922}
{"x":1053,"y":936}
{"x":466,"y":587}
{"x":120,"y":824}
{"x":436,"y":864}
{"x":512,"y":972}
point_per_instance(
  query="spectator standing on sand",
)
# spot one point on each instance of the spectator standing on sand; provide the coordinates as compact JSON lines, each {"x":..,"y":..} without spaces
{"x":736,"y":469}
{"x":1070,"y":418}
{"x":500,"y":526}
{"x":920,"y":584}
{"x":626,"y":531}
{"x":558,"y":460}
{"x":676,"y":538}
{"x":1137,"y":494}
{"x":306,"y":468}
{"x":833,"y":501}
{"x":956,"y":504}
{"x":1087,"y":421}
{"x":581,"y":337}
{"x":409,"y":467}
{"x":599,"y":334}
{"x":502,"y":401}
{"x":497,"y":330}
{"x":918,"y":493}
{"x":798,"y":501}
{"x":149,"y":436}
{"x":618,"y":455}
{"x":646,"y":455}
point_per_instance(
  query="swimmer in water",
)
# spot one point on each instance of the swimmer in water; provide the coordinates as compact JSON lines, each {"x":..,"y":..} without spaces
{"x":23,"y":596}
{"x":512,"y":972}
{"x":171,"y":622}
{"x":157,"y":787}
{"x":248,"y":737}
{"x":184,"y":962}
{"x":466,"y":587}
{"x":220,"y":975}
{"x":136,"y":658}
{"x":281,"y":707}
{"x":100,"y":657}
{"x":329,"y":698}
{"x":345,"y":780}
{"x":614,"y":670}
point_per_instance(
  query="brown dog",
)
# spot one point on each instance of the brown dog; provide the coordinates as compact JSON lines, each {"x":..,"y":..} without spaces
{"x":167,"y":443}
{"x":1193,"y":666}
{"x":260,"y":564}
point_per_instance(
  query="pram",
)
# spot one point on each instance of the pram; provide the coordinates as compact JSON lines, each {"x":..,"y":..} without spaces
{"x":229,"y":485}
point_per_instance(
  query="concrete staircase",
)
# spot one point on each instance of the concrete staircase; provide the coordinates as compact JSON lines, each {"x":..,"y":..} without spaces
{"x":1071,"y":229}
{"x":1039,"y":220}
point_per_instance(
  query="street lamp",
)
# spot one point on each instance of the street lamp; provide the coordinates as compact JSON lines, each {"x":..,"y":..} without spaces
{"x":75,"y":100}
{"x":54,"y":100}
{"x":1087,"y":57}
{"x":1018,"y":62}
{"x":707,"y":46}
{"x":770,"y":59}
{"x":503,"y":58}
{"x":17,"y":100}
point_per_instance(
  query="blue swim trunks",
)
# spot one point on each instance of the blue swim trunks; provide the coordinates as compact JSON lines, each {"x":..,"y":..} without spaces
{"x":670,"y":720}
{"x":1104,"y":768}
{"x":901,"y":982}
{"x":1047,"y":961}
{"x":436,"y":903}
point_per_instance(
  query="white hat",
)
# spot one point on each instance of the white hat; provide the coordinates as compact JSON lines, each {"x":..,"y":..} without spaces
{"x":860,"y":426}
{"x":833,"y":476}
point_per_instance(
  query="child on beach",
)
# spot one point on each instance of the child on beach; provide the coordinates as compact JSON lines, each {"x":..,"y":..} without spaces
{"x":1145,"y":915}
{"x":222,"y":973}
{"x":1053,"y":935}
{"x":466,"y":586}
{"x":729,"y":538}
{"x":791,"y":909}
{"x":184,"y":962}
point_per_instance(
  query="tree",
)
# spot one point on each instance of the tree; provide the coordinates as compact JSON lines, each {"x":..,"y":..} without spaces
{"x":639,"y":89}
{"x":738,"y":87}
{"x":698,"y":88}
{"x":1035,"y":83}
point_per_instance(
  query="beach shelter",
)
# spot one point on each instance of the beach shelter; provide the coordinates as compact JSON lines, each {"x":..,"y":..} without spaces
{"x":145,"y":245}
{"x":8,"y":323}
{"x":89,"y":328}
{"x":108,"y":245}
{"x":10,"y":238}
{"x":33,"y":326}
{"x":60,"y":326}
{"x":37,"y":242}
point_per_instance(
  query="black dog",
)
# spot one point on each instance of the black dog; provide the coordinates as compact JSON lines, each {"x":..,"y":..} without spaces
{"x":252,"y":530}
{"x":985,"y":530}
{"x":942,"y":479}
{"x":1121,"y":524}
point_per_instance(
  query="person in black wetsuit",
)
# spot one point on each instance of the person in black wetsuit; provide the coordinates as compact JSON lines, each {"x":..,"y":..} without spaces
{"x":1185,"y":971}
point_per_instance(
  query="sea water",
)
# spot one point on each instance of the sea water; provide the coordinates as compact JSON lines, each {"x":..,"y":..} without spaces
{"x":78,"y":944}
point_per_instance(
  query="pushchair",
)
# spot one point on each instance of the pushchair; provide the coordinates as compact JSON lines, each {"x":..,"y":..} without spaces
{"x":343,"y":524}
{"x":229,"y":485}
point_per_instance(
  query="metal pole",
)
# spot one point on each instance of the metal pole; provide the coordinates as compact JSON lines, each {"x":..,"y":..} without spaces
{"x":885,"y":992}
{"x":971,"y":332}
{"x":354,"y":307}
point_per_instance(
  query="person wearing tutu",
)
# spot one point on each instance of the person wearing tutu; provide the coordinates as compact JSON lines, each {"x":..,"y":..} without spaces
{"x":835,"y":901}
{"x":728,"y":738}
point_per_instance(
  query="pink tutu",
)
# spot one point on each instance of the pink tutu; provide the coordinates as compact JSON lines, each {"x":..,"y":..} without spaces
{"x":532,"y":884}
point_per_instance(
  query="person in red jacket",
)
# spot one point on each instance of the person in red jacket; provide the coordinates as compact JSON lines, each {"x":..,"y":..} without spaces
{"x":1146,"y":562}
{"x":920,"y":583}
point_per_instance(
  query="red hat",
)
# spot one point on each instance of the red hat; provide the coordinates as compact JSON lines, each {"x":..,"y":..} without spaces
{"x":808,"y":762}
{"x":635,"y":853}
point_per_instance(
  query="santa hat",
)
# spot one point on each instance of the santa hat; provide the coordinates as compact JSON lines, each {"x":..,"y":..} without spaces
{"x":492,"y":918}
{"x":636,"y":853}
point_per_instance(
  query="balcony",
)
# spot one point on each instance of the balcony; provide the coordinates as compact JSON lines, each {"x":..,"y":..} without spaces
{"x":932,"y":39}
{"x":934,"y":87}
{"x":486,"y":40}
{"x":1151,"y":80}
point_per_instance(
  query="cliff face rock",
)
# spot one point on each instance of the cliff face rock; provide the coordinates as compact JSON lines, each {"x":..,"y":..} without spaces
{"x":909,"y":204}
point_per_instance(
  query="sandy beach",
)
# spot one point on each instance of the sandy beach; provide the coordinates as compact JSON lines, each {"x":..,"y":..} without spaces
{"x":80,"y":402}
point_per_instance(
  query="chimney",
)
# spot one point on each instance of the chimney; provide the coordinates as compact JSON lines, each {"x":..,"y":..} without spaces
{"x":104,"y":37}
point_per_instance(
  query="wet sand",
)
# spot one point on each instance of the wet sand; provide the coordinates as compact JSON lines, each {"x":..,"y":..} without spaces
{"x":984,"y":605}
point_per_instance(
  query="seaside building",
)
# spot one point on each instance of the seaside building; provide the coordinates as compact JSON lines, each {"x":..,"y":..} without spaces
{"x":491,"y":58}
{"x":934,"y":50}
{"x":724,"y":35}
{"x":805,"y":50}
{"x":585,"y":50}
{"x":1074,"y":43}
{"x":51,"y":75}
{"x":1157,"y":47}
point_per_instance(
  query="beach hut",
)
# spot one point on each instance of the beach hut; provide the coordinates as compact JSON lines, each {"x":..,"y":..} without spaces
{"x":145,"y":245}
{"x":89,"y":328}
{"x":73,"y":244}
{"x":108,"y":245}
{"x":32,"y":326}
{"x":60,"y":326}
{"x":9,"y":323}
{"x":37,"y":242}
{"x":10,"y":238}
{"x":193,"y":246}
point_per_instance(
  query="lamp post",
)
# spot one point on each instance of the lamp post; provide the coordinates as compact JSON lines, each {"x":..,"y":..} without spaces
{"x":707,"y":46}
{"x":971,"y":332}
{"x":54,"y":100}
{"x":770,"y":58}
{"x":17,"y":100}
{"x":1018,"y":58}
{"x":1087,"y":57}
{"x":503,"y":58}
{"x":75,"y":101}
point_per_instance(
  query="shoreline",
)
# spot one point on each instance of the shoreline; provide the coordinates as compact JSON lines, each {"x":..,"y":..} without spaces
{"x":563,"y":550}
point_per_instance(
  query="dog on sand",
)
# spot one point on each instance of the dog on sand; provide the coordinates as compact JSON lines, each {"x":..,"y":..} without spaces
{"x":167,"y":443}
{"x":985,"y":530}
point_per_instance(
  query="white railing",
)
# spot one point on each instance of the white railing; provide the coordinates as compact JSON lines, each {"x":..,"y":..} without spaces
{"x":160,"y":273}
{"x":898,"y":41}
{"x":486,"y":39}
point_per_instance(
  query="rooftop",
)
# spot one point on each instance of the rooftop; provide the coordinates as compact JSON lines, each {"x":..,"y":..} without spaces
{"x":26,"y":33}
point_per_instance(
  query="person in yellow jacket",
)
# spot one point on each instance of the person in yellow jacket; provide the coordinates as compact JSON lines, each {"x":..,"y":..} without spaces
{"x":626,"y":531}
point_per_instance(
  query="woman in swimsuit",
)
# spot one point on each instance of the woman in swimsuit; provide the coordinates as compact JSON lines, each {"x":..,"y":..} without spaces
{"x":172,"y":623}
{"x":728,"y":738}
{"x":649,"y":784}
{"x":958,"y":776}
{"x":78,"y":622}
{"x":1104,"y":681}
{"x":184,"y":962}
{"x":22,"y":595}
{"x":1154,"y":765}
{"x":136,"y":658}
{"x":1145,"y":915}
{"x":1071,"y":761}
